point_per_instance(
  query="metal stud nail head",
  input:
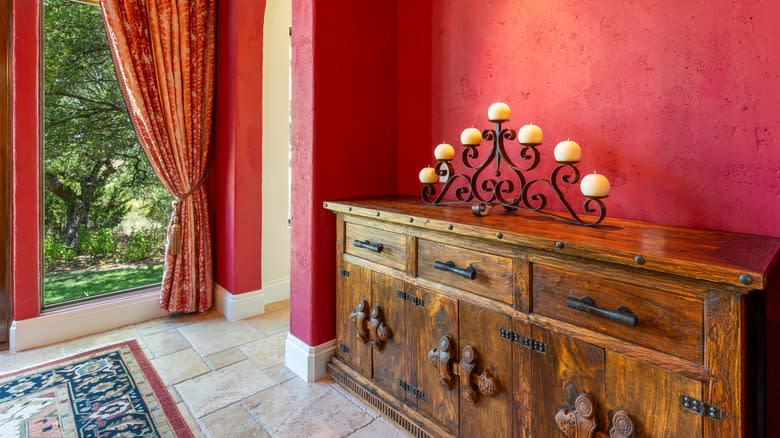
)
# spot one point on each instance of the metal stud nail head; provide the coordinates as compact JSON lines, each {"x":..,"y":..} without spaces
{"x":324,"y":204}
{"x":745,"y":279}
{"x":350,"y":209}
{"x":411,"y":219}
{"x":499,"y":235}
{"x":377,"y":213}
{"x":639,"y":260}
{"x":449,"y":227}
{"x":559,"y":245}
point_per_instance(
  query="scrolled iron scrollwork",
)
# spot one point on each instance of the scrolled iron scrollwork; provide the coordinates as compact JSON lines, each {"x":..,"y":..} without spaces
{"x":508,"y":187}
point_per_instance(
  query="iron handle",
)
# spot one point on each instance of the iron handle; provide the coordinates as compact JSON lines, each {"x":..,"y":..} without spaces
{"x":621,"y":315}
{"x":468,"y":272}
{"x":376,"y":247}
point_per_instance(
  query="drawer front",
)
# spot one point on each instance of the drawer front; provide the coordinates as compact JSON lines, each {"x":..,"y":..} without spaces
{"x":365,"y":242}
{"x":665,"y":322}
{"x":492,"y":274}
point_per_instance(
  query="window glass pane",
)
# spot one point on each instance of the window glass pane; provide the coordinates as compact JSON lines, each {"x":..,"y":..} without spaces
{"x":105,"y":211}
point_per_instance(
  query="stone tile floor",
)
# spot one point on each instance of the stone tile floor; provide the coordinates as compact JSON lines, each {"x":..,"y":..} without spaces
{"x":229,"y":380}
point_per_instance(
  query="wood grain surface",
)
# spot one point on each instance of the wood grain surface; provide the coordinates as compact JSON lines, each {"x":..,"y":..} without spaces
{"x":711,"y":255}
{"x":393,"y":245}
{"x":493,"y":273}
{"x":666,"y":323}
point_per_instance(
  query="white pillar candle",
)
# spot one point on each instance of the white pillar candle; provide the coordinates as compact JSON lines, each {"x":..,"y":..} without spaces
{"x":567,"y":152}
{"x":499,"y":112}
{"x":595,"y":185}
{"x":428,"y":175}
{"x":529,"y":134}
{"x":470,"y":136}
{"x":444,"y":151}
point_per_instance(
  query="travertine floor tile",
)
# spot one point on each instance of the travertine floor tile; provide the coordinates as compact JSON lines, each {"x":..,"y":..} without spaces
{"x":283,"y":305}
{"x":101,"y":340}
{"x":218,"y":334}
{"x":328,"y":416}
{"x":232,"y":421}
{"x":174,"y":320}
{"x":174,"y":394}
{"x":380,"y":427}
{"x":215,"y":390}
{"x":190,"y":420}
{"x":177,"y":367}
{"x":224,"y":358}
{"x":16,"y":361}
{"x":280,"y":373}
{"x":166,"y":342}
{"x":274,"y":403}
{"x":354,"y":399}
{"x":272,"y":322}
{"x":266,"y":352}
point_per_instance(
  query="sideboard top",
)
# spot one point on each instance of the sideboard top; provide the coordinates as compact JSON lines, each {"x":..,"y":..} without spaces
{"x":742,"y":260}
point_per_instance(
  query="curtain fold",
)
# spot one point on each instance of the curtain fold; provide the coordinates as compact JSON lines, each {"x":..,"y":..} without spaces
{"x":164,"y":53}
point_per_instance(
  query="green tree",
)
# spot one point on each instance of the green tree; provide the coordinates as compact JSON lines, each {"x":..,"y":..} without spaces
{"x":93,"y":163}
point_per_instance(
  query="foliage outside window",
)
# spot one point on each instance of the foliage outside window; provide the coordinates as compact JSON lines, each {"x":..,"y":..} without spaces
{"x":105,"y":211}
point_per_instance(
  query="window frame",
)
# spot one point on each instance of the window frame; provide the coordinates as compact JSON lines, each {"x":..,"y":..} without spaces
{"x":76,"y":302}
{"x":6,"y":141}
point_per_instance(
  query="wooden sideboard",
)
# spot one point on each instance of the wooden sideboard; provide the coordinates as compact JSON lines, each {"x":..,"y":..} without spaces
{"x":516,"y":325}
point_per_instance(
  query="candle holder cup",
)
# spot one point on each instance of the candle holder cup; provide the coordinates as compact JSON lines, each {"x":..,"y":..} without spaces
{"x":485,"y":193}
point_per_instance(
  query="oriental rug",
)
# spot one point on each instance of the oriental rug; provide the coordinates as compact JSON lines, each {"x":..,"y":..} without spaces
{"x":109,"y":392}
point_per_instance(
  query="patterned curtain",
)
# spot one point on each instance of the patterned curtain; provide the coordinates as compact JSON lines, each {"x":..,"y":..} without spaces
{"x":164,"y":56}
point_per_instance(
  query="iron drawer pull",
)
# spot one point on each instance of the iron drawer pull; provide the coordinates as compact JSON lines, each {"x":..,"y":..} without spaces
{"x":469,"y":272}
{"x":376,"y":247}
{"x":622,"y":315}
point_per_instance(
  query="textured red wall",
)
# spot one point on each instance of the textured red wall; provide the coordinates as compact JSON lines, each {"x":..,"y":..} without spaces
{"x":26,"y":59}
{"x":235,"y":165}
{"x":677,"y":105}
{"x":676,"y":102}
{"x":343,"y":139}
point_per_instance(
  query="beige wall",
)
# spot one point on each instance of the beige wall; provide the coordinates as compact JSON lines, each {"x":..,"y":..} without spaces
{"x":276,"y":233}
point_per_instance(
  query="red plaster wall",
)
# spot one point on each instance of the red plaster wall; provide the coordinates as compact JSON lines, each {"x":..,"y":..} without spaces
{"x":415,"y":93}
{"x":343,"y":139}
{"x":676,"y":102}
{"x":235,"y":167}
{"x":26,"y":59}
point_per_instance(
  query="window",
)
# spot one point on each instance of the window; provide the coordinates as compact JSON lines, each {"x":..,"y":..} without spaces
{"x":105,"y":211}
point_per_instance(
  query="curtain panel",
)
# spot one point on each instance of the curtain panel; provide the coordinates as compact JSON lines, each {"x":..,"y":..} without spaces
{"x":164,"y":53}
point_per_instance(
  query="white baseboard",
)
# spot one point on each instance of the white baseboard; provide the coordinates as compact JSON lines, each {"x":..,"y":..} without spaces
{"x":309,"y":363}
{"x":81,"y":321}
{"x":276,"y":290}
{"x":238,"y":306}
{"x":249,"y":304}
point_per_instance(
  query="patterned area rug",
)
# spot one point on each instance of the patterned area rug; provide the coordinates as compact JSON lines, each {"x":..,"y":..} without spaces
{"x":108,"y":392}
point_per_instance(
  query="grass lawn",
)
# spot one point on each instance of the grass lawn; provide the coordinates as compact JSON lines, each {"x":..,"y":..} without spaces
{"x":66,"y":286}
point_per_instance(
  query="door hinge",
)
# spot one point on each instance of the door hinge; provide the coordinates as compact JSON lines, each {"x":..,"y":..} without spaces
{"x":525,"y":341}
{"x":344,"y":273}
{"x":343,"y":348}
{"x":419,"y":302}
{"x":411,"y":389}
{"x":700,"y":407}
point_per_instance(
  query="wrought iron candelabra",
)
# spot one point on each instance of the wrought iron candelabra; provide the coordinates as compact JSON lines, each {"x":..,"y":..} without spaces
{"x":485,"y":192}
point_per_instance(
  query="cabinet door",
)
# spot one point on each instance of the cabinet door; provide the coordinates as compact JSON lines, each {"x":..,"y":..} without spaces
{"x":489,"y":415}
{"x":434,"y":317}
{"x":651,"y":397}
{"x":352,"y":289}
{"x":580,"y":388}
{"x":388,"y":328}
{"x":567,"y":369}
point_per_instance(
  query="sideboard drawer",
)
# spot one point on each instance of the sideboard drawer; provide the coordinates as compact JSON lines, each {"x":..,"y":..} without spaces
{"x":485,"y":274}
{"x":381,"y":246}
{"x":648,"y":317}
